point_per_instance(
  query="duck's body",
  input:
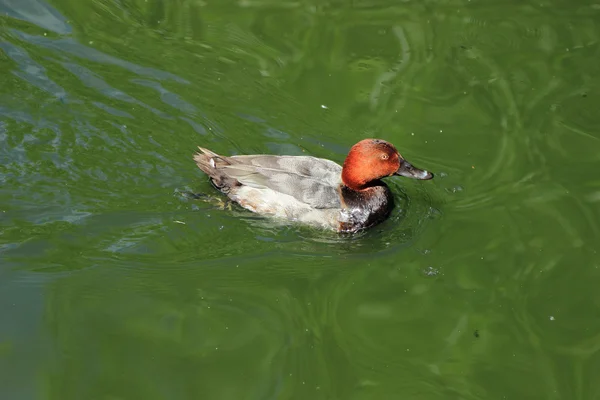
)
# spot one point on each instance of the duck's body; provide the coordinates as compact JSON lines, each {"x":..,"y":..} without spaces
{"x":310,"y":190}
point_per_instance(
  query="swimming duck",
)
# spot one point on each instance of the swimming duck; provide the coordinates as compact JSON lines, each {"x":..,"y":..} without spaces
{"x":313,"y":190}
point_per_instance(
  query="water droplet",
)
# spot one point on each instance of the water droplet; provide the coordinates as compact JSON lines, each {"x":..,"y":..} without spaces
{"x":454,"y":189}
{"x":430,"y":271}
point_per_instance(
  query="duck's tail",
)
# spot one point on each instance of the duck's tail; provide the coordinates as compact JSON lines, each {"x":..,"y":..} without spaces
{"x":212,"y":165}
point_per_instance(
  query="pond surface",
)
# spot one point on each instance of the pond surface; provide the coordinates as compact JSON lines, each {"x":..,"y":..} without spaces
{"x":116,"y":284}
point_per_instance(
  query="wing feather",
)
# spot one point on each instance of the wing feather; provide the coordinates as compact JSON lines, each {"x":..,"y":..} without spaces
{"x":314,"y":181}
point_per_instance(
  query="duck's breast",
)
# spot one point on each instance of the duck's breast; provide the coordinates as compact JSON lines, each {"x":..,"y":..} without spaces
{"x":365,"y":208}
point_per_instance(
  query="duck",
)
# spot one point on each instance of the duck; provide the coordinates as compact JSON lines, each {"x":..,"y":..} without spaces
{"x":314,"y":191}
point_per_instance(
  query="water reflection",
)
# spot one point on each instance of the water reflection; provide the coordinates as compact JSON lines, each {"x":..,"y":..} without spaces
{"x":38,"y":13}
{"x":31,"y":71}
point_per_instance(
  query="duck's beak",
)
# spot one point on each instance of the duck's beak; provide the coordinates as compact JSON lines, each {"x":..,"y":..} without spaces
{"x":406,"y":169}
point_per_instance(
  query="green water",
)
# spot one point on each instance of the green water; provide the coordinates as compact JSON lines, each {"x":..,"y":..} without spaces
{"x":114,"y":285}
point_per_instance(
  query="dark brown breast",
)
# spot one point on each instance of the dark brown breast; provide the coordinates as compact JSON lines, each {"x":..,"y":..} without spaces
{"x":365,"y":208}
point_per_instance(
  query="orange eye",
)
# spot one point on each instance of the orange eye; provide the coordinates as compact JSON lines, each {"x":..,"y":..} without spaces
{"x":384,"y":156}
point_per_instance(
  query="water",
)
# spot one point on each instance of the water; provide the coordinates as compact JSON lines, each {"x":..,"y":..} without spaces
{"x":116,"y":285}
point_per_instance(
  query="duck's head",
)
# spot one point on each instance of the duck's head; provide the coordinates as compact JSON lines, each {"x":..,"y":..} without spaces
{"x":373,"y":159}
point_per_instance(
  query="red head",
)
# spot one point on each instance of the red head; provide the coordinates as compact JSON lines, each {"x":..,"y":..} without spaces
{"x":373,"y":159}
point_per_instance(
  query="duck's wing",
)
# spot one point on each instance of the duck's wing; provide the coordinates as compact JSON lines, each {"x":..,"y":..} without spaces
{"x":311,"y":180}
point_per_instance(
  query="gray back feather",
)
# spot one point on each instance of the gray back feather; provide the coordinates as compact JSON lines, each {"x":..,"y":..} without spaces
{"x":314,"y":181}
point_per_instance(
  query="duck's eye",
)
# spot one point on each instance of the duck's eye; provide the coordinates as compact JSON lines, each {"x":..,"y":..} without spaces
{"x":384,"y":156}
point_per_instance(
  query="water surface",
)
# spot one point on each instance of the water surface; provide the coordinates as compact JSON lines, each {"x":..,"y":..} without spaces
{"x":116,"y":285}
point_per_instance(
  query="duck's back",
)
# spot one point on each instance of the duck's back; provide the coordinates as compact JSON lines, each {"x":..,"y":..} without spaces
{"x":311,"y":180}
{"x":300,"y":188}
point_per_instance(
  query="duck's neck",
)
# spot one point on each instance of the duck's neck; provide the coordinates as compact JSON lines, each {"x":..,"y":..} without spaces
{"x":372,"y":197}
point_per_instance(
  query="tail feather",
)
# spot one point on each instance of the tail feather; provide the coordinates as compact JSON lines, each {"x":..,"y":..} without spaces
{"x":211,"y":164}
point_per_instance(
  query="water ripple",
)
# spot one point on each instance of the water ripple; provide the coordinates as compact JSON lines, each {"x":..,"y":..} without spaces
{"x":41,"y":14}
{"x":74,"y":48}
